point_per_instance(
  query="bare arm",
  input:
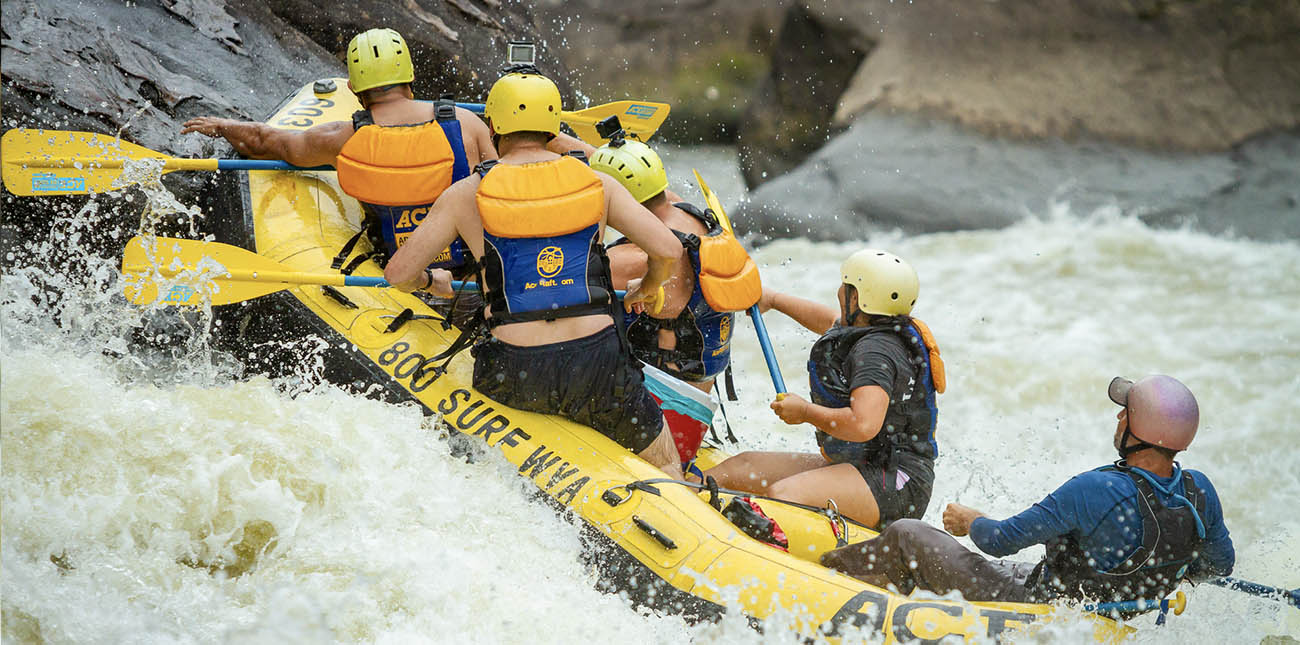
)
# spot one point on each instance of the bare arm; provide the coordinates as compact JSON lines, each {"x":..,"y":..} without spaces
{"x":476,"y":136}
{"x":316,"y":146}
{"x":406,"y":268}
{"x":860,"y":421}
{"x":815,"y":316}
{"x":626,"y":263}
{"x":661,"y":247}
{"x":563,"y":143}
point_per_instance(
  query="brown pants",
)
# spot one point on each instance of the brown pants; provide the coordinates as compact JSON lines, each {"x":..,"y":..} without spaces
{"x":911,"y":554}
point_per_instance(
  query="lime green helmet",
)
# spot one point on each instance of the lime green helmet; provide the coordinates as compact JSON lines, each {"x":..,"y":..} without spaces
{"x":886,"y":285}
{"x":523,"y":102}
{"x":377,"y":58}
{"x":634,"y":165}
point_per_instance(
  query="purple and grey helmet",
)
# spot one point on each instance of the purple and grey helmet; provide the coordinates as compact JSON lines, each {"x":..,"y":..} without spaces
{"x":1161,"y":410}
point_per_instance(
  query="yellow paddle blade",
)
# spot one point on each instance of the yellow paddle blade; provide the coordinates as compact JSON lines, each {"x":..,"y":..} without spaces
{"x":172,"y":271}
{"x":711,"y":201}
{"x":64,"y":162}
{"x":640,"y":118}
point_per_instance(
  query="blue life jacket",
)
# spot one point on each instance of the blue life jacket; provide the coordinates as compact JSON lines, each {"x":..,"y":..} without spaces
{"x":913,"y":415}
{"x":542,"y":256}
{"x":703,"y":334}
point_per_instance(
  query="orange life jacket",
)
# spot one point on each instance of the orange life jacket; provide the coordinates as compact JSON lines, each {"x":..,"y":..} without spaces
{"x":396,"y":165}
{"x":397,"y":172}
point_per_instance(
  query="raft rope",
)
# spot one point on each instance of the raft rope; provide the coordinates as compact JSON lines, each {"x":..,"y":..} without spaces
{"x":648,"y":486}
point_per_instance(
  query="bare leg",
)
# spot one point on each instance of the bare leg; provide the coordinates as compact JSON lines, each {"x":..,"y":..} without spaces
{"x":662,"y":453}
{"x":755,"y":472}
{"x":841,"y":482}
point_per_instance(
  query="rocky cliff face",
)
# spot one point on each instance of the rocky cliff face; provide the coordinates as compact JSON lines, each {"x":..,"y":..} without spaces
{"x":1160,"y":75}
{"x":972,"y":115}
{"x":704,"y":57}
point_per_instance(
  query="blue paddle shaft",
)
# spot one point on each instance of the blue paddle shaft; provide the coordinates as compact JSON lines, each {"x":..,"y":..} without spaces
{"x":263,"y":164}
{"x":1124,"y":606}
{"x":367,"y":281}
{"x":1291,"y":597}
{"x":364,"y":281}
{"x":772,"y":367}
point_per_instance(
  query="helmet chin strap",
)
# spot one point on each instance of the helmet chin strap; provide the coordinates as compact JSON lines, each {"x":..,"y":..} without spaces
{"x":1125,"y":450}
{"x":850,"y":317}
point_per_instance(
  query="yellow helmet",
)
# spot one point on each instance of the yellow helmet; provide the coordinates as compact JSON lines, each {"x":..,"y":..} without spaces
{"x":634,"y":165}
{"x":523,"y":102}
{"x":886,"y":285}
{"x":377,"y":58}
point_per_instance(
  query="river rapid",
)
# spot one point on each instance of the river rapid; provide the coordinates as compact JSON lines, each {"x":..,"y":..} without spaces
{"x":153,"y":494}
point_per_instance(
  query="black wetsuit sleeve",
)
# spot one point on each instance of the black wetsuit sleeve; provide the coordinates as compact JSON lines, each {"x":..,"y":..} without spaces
{"x":877,"y":359}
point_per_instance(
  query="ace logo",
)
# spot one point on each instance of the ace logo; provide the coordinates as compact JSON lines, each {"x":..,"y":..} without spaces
{"x":549,"y":261}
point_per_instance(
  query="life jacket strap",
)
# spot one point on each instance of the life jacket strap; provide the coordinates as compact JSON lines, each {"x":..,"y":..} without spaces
{"x":548,"y":314}
{"x":484,"y":166}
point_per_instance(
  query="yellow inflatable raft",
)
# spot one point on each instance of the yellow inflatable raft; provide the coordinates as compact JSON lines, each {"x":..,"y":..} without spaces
{"x":664,"y":543}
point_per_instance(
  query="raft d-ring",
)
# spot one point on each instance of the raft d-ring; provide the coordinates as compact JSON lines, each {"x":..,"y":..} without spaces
{"x":612,"y":498}
{"x":833,"y":513}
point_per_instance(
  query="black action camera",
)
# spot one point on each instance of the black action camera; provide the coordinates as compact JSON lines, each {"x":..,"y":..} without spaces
{"x":611,"y":128}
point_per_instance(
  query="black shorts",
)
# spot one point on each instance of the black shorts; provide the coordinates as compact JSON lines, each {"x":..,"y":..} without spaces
{"x":588,"y":380}
{"x":911,"y":499}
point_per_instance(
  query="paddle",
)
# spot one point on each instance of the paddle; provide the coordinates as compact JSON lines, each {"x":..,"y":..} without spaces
{"x":639,"y":118}
{"x":774,"y":369}
{"x":193,"y":270}
{"x":65,"y":162}
{"x":1290,"y":597}
{"x":1178,"y":604}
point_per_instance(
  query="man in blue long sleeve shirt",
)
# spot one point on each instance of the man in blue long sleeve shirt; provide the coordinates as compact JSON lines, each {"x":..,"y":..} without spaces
{"x":1123,"y":532}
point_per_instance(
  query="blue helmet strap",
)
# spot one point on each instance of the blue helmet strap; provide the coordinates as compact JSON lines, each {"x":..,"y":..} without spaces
{"x":1169,"y":490}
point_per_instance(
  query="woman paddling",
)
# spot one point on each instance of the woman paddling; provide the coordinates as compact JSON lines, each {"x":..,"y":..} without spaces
{"x":874,"y":377}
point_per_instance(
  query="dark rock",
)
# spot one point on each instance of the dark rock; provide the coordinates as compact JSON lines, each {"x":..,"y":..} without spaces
{"x":920,"y":175}
{"x":141,"y":69}
{"x":457,"y":45}
{"x":789,"y":116}
{"x":703,"y":57}
{"x":1169,"y":75}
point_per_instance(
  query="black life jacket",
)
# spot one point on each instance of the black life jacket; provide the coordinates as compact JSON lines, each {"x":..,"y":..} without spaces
{"x":703,"y":334}
{"x":917,"y":408}
{"x":1171,"y":538}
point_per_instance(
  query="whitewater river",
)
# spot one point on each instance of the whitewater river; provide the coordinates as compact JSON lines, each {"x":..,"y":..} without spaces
{"x":164,"y":501}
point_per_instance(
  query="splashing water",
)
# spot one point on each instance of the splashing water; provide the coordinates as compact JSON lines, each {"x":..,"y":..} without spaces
{"x":151,"y":494}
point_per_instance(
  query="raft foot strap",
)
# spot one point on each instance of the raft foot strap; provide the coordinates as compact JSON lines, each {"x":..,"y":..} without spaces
{"x":406,"y":316}
{"x":653,"y":532}
{"x":347,"y":249}
{"x":357,"y":261}
{"x":338,"y":296}
{"x":712,"y":485}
